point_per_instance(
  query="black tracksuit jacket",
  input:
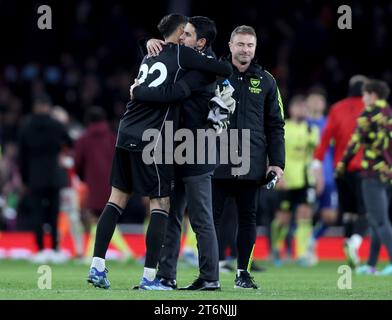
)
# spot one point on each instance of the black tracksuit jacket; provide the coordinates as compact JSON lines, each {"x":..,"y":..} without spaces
{"x":259,"y":108}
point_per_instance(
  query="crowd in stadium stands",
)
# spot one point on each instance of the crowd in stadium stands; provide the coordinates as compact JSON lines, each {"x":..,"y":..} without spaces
{"x":90,"y":59}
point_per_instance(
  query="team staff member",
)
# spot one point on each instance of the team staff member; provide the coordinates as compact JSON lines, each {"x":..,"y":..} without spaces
{"x":259,"y":109}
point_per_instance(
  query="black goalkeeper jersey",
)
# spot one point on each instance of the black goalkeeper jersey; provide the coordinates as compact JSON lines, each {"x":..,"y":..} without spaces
{"x":167,"y":68}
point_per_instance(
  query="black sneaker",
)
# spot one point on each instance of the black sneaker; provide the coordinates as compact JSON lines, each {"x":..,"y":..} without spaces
{"x":245,"y":281}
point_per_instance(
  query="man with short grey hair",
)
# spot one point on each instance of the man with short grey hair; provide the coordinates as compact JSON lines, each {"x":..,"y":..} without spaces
{"x":259,"y":110}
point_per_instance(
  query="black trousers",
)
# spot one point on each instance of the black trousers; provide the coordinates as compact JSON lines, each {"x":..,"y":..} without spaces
{"x":244,"y":193}
{"x":45,"y":209}
{"x":228,"y":230}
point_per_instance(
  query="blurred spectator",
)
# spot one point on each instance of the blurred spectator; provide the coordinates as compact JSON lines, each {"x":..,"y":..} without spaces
{"x":326,"y":206}
{"x":93,"y":159}
{"x":40,"y":143}
{"x":10,"y":185}
{"x":294,"y":216}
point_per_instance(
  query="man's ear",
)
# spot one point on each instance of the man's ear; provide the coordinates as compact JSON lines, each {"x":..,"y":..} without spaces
{"x":200,"y":44}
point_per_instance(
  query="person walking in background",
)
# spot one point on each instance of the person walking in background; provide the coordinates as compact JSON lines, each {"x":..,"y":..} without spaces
{"x":93,"y":159}
{"x":374,"y":132}
{"x":41,"y":140}
{"x":341,"y":123}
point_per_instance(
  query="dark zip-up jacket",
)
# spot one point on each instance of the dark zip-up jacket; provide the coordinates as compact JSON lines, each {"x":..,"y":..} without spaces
{"x":259,"y":108}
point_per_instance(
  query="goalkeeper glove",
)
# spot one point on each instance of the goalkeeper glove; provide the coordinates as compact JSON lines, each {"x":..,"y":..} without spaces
{"x":226,"y":95}
{"x":219,"y":114}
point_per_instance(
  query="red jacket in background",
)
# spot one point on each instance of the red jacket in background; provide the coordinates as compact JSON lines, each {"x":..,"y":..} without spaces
{"x":341,"y":124}
{"x":93,"y":160}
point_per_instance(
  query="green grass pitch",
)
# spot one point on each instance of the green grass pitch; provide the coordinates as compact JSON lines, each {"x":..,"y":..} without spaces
{"x":19,"y":280}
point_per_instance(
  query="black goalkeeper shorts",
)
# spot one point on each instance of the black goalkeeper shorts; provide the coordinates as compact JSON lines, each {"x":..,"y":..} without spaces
{"x":130,"y":174}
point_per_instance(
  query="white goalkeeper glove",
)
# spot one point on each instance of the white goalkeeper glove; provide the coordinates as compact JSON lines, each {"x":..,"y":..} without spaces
{"x":221,"y":107}
{"x":219,"y":114}
{"x":226,"y":95}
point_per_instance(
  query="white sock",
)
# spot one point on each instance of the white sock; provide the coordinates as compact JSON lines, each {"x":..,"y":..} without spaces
{"x":356,"y":241}
{"x":149,"y":274}
{"x":98,"y":263}
{"x":239,"y":272}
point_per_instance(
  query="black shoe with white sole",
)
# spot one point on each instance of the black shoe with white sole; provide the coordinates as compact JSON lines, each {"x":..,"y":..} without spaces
{"x":245,"y":281}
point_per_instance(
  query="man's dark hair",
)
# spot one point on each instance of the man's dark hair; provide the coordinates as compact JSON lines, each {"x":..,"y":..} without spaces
{"x":355,"y":85}
{"x":95,"y":114}
{"x":170,"y":23}
{"x":205,"y":28}
{"x":380,"y":88}
{"x":42,"y":103}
